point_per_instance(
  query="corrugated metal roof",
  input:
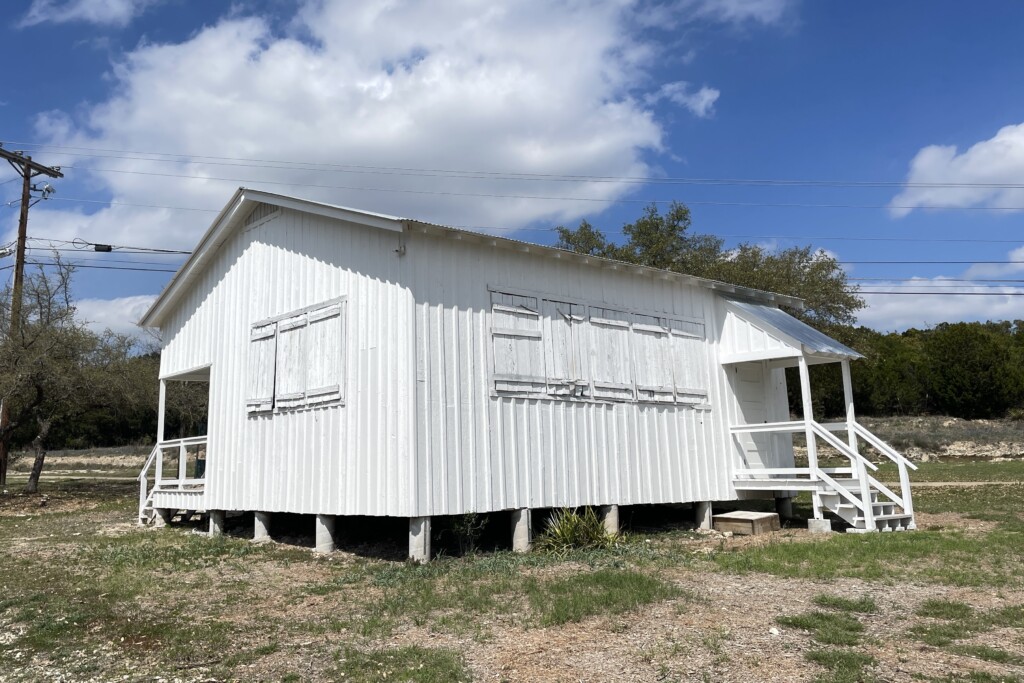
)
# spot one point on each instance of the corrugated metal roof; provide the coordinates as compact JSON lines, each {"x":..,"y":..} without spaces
{"x":244,"y":199}
{"x":812,"y":341}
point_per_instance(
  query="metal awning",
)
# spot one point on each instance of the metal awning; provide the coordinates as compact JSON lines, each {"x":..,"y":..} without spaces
{"x":758,"y":332}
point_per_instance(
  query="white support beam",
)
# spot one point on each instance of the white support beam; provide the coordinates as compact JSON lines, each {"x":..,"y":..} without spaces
{"x":812,"y":446}
{"x":161,"y":411}
{"x":851,"y":431}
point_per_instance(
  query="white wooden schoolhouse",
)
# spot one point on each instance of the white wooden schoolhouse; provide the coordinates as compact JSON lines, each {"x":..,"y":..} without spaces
{"x":364,"y":364}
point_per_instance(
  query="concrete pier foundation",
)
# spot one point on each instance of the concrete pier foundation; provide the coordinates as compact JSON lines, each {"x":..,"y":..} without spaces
{"x":261,"y":528}
{"x":419,"y":539}
{"x":522,"y":533}
{"x":325,"y":534}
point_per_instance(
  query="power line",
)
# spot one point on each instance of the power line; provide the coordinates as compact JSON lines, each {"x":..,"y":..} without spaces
{"x":946,"y":263}
{"x":923,"y":281}
{"x":79,"y":265}
{"x":890,"y":293}
{"x":82,"y":245}
{"x":165,"y":157}
{"x":601,"y":200}
{"x":82,"y":259}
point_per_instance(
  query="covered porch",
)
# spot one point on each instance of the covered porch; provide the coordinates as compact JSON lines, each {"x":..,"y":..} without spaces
{"x":173,"y":479}
{"x":759,"y":343}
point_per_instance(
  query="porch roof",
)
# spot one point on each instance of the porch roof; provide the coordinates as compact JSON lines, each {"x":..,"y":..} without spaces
{"x":759,"y":332}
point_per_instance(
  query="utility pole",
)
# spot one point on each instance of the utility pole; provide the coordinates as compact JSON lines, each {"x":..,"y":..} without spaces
{"x":28,"y":170}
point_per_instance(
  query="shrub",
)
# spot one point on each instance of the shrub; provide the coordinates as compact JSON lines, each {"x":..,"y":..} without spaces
{"x":569,"y":530}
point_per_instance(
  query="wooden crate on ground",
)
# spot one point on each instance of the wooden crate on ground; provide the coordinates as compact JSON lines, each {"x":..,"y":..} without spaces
{"x":745,"y":523}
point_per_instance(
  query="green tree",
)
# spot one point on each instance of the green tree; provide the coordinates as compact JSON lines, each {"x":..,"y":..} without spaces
{"x":53,"y":369}
{"x":971,"y":371}
{"x":666,"y":241}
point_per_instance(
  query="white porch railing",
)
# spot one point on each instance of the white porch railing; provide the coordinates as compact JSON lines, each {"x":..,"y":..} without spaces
{"x":818,"y":476}
{"x":176,"y":465}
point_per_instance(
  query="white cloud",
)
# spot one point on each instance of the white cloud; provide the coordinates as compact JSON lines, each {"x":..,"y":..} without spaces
{"x":978,"y":301}
{"x":738,"y":11}
{"x":996,"y":161}
{"x":119,"y":315}
{"x":109,"y":12}
{"x":533,"y":87}
{"x":701,"y":103}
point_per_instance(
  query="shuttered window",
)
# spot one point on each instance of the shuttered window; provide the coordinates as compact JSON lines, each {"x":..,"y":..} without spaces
{"x":563,"y":340}
{"x":652,"y":359}
{"x":517,"y":344}
{"x":326,"y":354}
{"x":611,"y":363}
{"x":689,"y":361}
{"x":290,"y":389}
{"x":262,"y":362}
{"x":298,"y":360}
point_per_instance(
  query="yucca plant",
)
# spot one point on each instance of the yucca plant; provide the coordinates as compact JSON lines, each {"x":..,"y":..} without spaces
{"x":569,"y":530}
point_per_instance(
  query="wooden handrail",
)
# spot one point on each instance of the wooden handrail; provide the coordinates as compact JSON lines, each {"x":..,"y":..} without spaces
{"x":842,"y":447}
{"x":882,"y":447}
{"x":769,"y":427}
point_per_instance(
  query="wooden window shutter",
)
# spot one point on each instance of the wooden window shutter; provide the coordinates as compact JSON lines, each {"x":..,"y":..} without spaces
{"x":325,"y":351}
{"x":652,"y":360}
{"x":689,"y":361}
{"x":611,"y":362}
{"x":562,"y":361}
{"x":262,"y":370}
{"x":517,"y":344}
{"x":290,"y":391}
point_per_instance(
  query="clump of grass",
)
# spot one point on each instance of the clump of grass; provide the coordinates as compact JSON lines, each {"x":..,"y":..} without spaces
{"x":843,"y":666}
{"x":606,"y":591}
{"x":410,"y":664}
{"x":949,"y":610}
{"x":989,"y":654}
{"x":940,"y":635}
{"x":864,"y":605}
{"x":826,"y":627}
{"x":569,"y":530}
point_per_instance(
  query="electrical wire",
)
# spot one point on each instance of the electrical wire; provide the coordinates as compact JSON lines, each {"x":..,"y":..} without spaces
{"x":600,"y":200}
{"x":135,"y":155}
{"x":891,"y":293}
{"x":78,"y":265}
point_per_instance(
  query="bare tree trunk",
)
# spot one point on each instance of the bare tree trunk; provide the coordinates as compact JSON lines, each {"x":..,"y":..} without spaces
{"x":3,"y":464}
{"x":39,"y":449}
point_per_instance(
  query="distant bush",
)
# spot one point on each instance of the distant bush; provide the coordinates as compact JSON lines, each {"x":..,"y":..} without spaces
{"x":571,"y":530}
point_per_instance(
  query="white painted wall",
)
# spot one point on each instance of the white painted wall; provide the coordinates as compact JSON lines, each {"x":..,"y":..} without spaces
{"x":421,"y":431}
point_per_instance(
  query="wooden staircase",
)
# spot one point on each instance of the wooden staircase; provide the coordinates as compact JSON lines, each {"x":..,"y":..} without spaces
{"x":173,"y":491}
{"x":849,"y":493}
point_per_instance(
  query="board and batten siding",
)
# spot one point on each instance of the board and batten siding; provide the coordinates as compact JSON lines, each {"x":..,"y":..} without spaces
{"x":347,"y":459}
{"x":481,"y":451}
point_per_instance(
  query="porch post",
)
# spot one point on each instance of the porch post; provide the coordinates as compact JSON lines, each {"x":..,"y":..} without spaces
{"x":161,"y":409}
{"x":812,"y":446}
{"x":851,"y":419}
{"x":858,"y":466}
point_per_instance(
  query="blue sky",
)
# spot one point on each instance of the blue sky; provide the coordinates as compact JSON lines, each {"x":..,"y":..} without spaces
{"x":882,"y":93}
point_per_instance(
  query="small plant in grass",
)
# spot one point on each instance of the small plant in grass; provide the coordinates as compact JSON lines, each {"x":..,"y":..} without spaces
{"x":467,"y":529}
{"x":843,"y":666}
{"x":570,"y":530}
{"x":827,"y":628}
{"x":864,"y":605}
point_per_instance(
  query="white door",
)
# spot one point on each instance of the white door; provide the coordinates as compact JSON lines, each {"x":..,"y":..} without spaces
{"x":749,"y":381}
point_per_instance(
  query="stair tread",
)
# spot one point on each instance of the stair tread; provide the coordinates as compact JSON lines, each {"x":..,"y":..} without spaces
{"x":880,"y":518}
